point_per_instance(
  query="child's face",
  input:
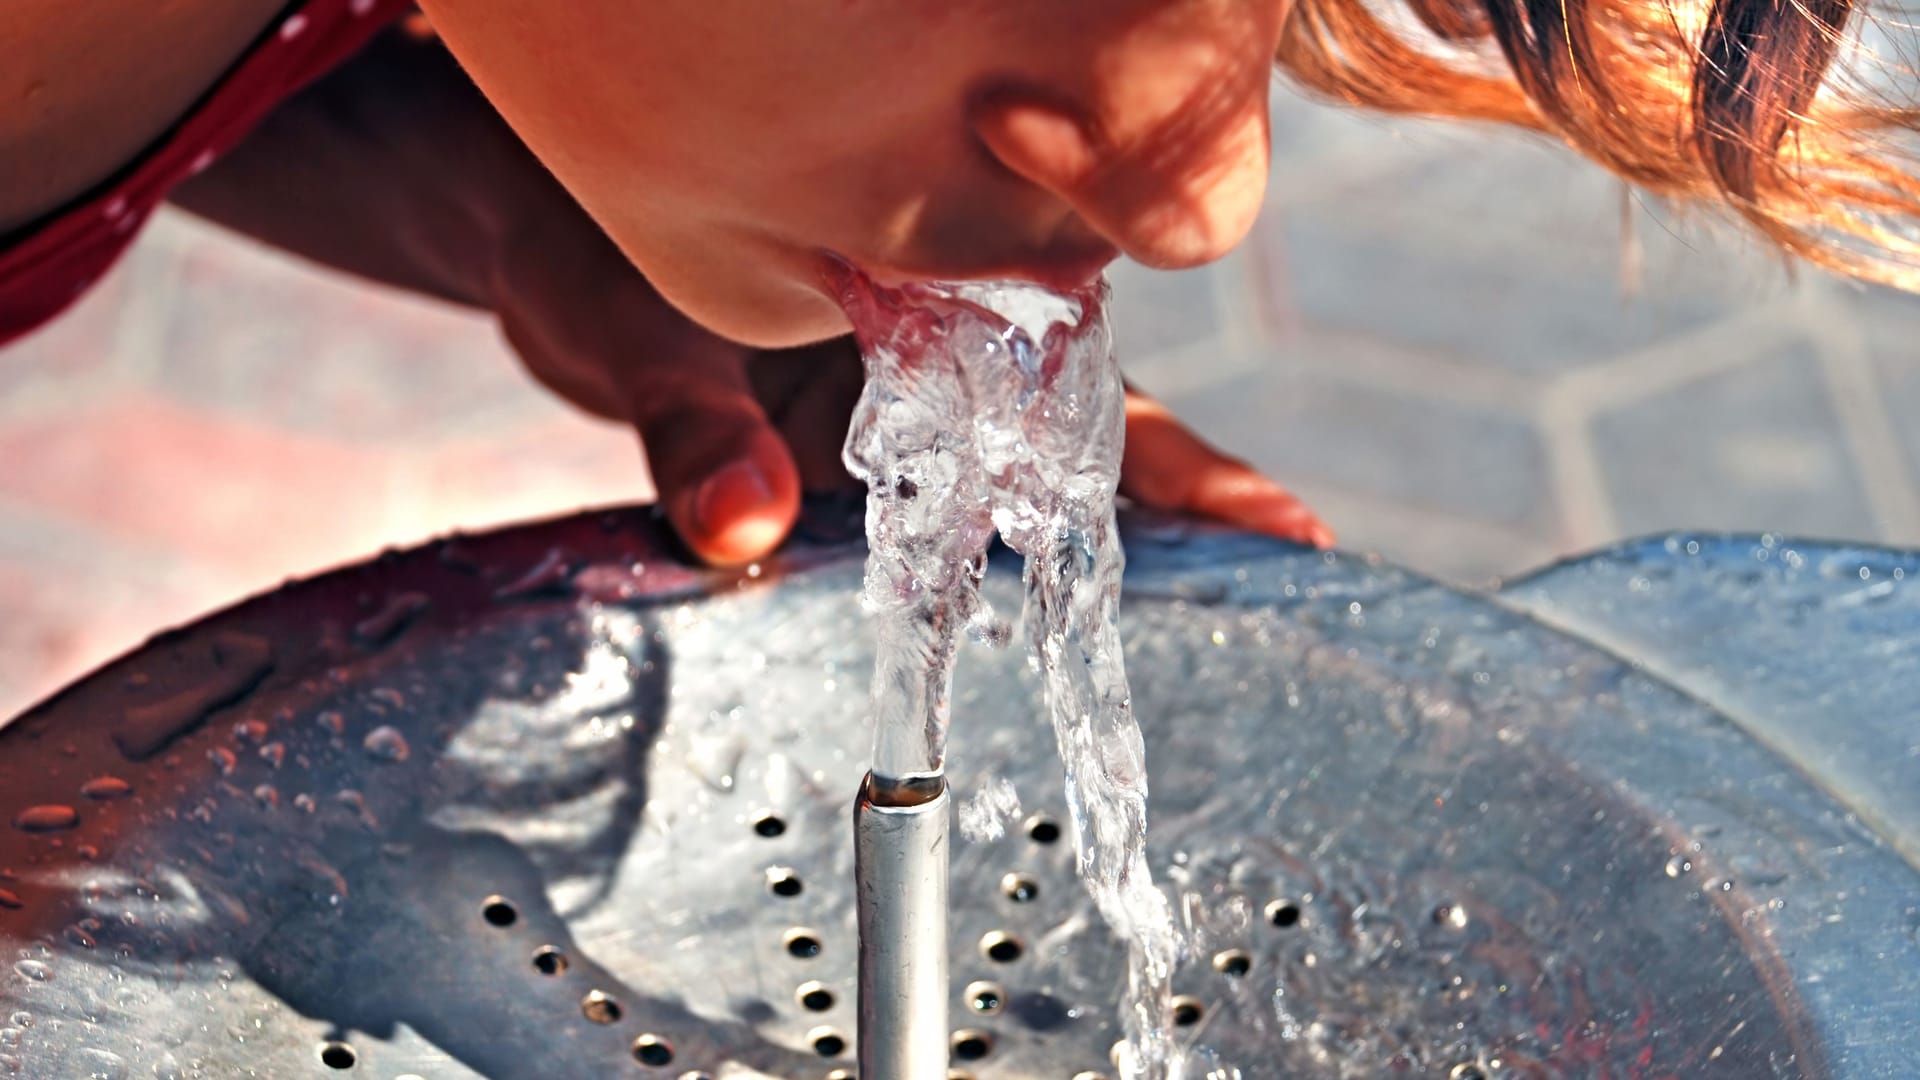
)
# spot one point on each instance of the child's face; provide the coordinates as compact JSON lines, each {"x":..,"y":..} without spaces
{"x":732,"y":147}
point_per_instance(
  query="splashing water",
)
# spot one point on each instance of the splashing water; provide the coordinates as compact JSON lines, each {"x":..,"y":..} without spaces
{"x":1000,"y":408}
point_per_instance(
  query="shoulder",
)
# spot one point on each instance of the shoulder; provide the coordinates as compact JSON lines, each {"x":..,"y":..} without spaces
{"x":86,"y":87}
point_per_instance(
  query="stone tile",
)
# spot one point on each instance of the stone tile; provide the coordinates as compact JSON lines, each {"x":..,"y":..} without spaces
{"x":550,"y":469}
{"x":1156,"y":312}
{"x":1313,"y":141}
{"x":1468,"y":553}
{"x":1889,"y":323}
{"x":58,"y":361}
{"x":1755,"y":448}
{"x":256,"y":502}
{"x":1509,"y":257}
{"x":257,"y":335}
{"x":1301,"y":424}
{"x":74,"y":599}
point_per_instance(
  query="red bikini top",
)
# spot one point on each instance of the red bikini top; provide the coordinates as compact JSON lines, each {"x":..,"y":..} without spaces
{"x":54,"y":261}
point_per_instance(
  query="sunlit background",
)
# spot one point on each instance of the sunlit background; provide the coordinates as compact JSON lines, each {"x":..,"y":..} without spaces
{"x":1443,"y":337}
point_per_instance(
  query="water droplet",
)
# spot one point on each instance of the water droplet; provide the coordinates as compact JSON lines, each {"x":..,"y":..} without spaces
{"x":10,"y":901}
{"x":715,"y":760}
{"x":388,"y":696}
{"x":386,"y":744}
{"x":34,"y":970}
{"x":1679,"y":864}
{"x":332,"y":721}
{"x":103,"y":788}
{"x":240,"y":662}
{"x":50,"y":818}
{"x":274,"y":754}
{"x":21,"y":1019}
{"x":267,"y":796}
{"x":551,"y":575}
{"x":303,"y":801}
{"x":357,"y":803}
{"x":390,"y":621}
{"x":81,"y":937}
{"x":103,"y":1064}
{"x":223,"y":759}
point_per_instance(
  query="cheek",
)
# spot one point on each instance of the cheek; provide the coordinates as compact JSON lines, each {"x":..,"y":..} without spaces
{"x":596,"y":100}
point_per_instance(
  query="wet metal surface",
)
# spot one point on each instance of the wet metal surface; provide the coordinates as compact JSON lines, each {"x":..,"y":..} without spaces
{"x":546,"y":804}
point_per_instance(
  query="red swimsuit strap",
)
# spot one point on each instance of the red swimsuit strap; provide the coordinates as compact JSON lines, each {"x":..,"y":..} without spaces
{"x":58,"y":258}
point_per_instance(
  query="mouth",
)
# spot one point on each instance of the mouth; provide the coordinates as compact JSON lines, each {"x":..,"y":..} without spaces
{"x":1062,"y":267}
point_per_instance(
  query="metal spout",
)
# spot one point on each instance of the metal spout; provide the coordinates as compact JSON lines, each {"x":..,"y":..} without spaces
{"x":900,"y":871}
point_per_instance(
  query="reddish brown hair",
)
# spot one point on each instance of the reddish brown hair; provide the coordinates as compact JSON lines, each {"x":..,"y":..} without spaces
{"x":1743,"y":102}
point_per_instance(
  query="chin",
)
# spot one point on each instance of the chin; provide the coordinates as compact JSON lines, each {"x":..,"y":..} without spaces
{"x":763,"y":311}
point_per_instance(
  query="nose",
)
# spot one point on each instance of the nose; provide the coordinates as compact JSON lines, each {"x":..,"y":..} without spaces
{"x":1164,"y":153}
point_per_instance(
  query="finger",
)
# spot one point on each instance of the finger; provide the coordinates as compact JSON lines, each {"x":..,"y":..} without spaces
{"x":724,"y":474}
{"x":811,"y":400}
{"x":1168,"y":467}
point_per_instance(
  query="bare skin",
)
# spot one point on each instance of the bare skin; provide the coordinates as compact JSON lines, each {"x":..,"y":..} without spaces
{"x":83,"y":87}
{"x":396,"y":169}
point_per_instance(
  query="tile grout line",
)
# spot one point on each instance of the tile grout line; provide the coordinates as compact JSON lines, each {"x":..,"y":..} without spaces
{"x":1579,"y":485}
{"x":1879,"y":461}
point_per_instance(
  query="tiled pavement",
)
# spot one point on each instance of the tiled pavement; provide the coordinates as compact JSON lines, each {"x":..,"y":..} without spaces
{"x":1428,"y":336}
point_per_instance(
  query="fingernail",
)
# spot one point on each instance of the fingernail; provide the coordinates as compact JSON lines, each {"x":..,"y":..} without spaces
{"x":729,"y":495}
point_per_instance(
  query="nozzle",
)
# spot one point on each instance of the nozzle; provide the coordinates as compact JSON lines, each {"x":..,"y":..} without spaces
{"x":900,"y":869}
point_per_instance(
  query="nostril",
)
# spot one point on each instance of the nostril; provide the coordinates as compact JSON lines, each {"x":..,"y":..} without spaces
{"x":1039,"y":138}
{"x":1173,"y":183}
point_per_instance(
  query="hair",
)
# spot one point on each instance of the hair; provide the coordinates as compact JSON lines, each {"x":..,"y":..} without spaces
{"x":1751,"y":104}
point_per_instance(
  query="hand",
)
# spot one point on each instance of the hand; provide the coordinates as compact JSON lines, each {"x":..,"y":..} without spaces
{"x":736,"y":435}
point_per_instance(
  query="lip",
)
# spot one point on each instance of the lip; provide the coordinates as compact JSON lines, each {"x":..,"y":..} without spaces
{"x":1064,"y":268}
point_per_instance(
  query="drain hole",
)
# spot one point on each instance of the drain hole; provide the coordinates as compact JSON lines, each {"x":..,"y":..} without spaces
{"x":499,"y":911}
{"x":985,"y":998}
{"x":827,"y":1042}
{"x":803,"y":944}
{"x":972,"y":1045}
{"x":1019,"y":888}
{"x":769,"y":825}
{"x":338,"y":1055}
{"x":814,"y":997}
{"x":783,"y":882}
{"x":548,"y":960}
{"x":600,"y":1008}
{"x":1001,"y":947}
{"x":1187,"y":1011}
{"x":1232,"y":963}
{"x":652,"y":1050}
{"x":1043,"y":829}
{"x":1467,"y":1070}
{"x":1283,"y":913}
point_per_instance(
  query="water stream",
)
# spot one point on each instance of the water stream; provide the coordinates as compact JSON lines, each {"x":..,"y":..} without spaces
{"x":999,"y":408}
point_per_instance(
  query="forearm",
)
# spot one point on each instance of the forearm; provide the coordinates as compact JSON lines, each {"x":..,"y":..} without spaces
{"x":395,"y":168}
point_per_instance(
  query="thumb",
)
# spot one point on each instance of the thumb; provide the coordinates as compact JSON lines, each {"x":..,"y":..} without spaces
{"x":725,"y":476}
